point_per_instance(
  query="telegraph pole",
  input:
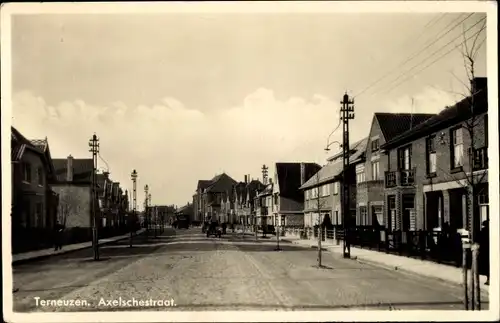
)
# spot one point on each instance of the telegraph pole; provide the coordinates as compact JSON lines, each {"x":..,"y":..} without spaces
{"x":264,"y":180}
{"x":94,"y":149}
{"x":347,"y":110}
{"x":133,"y":175}
{"x":146,"y":189}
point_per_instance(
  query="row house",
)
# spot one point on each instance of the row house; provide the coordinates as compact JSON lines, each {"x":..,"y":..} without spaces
{"x":431,"y":167}
{"x":34,"y":203}
{"x":198,"y":205}
{"x":322,"y":193}
{"x":113,"y":202}
{"x":74,"y":187}
{"x":287,"y":201}
{"x":227,"y":206}
{"x":166,"y":213}
{"x":370,"y":173}
{"x":263,"y":205}
{"x":244,"y":196}
{"x":211,"y":198}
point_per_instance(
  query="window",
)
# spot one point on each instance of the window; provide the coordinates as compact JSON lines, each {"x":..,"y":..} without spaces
{"x":363,"y":216}
{"x":431,"y":154}
{"x":360,"y":177}
{"x":40,"y":175}
{"x":404,"y":160}
{"x":375,"y":170}
{"x":378,"y":216}
{"x":375,"y":145}
{"x":336,"y":188}
{"x":27,"y":172}
{"x":457,"y":148}
{"x":325,"y":190}
{"x":391,"y":201}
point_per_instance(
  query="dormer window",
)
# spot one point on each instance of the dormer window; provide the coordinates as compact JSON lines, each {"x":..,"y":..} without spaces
{"x":375,"y":144}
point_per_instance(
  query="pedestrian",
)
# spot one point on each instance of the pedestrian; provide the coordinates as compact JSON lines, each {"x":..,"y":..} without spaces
{"x":484,"y":251}
{"x":58,"y":232}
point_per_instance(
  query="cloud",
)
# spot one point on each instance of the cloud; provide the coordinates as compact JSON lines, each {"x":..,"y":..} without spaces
{"x":173,"y":146}
{"x":429,"y":100}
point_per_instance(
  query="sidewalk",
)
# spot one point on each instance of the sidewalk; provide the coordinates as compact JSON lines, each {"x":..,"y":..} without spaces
{"x":31,"y":255}
{"x":419,"y":267}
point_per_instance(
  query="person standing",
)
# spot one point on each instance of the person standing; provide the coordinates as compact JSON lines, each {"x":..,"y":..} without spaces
{"x":58,"y":232}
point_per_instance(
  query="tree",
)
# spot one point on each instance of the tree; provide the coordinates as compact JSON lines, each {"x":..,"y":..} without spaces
{"x":319,"y":204}
{"x":469,"y":49}
{"x":68,"y":206}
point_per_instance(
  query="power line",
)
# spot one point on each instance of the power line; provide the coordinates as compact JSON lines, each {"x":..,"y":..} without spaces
{"x":100,"y":157}
{"x":429,"y":44}
{"x":433,"y":62}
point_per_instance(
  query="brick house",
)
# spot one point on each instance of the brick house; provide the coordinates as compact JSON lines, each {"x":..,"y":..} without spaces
{"x":263,"y":205}
{"x":370,"y":174}
{"x":428,"y":166}
{"x":287,"y":198}
{"x":244,"y":195}
{"x":198,"y":202}
{"x":322,"y":193}
{"x":34,"y":203}
{"x":74,"y":187}
{"x":212,"y":196}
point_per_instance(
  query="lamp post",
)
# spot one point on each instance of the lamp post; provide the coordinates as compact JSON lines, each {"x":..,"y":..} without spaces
{"x":133,"y":175}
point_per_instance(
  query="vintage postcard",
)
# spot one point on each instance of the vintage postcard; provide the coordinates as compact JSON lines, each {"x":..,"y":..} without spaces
{"x":250,"y":161}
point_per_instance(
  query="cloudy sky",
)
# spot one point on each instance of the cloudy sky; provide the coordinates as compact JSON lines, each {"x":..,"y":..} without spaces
{"x":182,"y":97}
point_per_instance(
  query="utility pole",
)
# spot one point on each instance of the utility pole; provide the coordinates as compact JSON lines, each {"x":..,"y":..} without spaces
{"x":94,"y":149}
{"x":153,"y":215}
{"x":347,"y":110}
{"x":264,"y":180}
{"x":146,"y":219}
{"x":133,"y":175}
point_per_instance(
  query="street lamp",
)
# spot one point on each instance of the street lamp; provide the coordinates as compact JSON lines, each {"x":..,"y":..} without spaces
{"x":133,"y":175}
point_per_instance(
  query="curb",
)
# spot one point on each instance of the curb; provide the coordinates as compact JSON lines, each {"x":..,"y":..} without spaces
{"x":484,"y":289}
{"x":36,"y":258}
{"x":412,"y":273}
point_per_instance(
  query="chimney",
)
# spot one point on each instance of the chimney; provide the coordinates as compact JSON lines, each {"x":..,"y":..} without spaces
{"x":106,"y":174}
{"x":478,"y":83}
{"x":302,"y":174}
{"x":246,"y":179}
{"x":69,"y":170}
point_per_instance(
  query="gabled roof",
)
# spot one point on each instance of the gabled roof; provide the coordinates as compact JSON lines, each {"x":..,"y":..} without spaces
{"x":449,"y":116}
{"x":289,"y":178}
{"x":252,"y":188}
{"x":268,"y":190}
{"x":221,"y":183}
{"x":100,"y":181}
{"x":394,"y":124}
{"x":331,"y":171}
{"x":356,"y":147}
{"x":202,"y":184}
{"x":82,"y":169}
{"x":41,"y":144}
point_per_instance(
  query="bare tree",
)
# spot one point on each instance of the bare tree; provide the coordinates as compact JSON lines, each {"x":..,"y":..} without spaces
{"x":469,"y":50}
{"x":319,"y":204}
{"x":68,"y":205}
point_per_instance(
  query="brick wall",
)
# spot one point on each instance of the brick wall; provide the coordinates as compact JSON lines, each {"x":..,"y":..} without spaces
{"x":74,"y":205}
{"x":443,"y":162}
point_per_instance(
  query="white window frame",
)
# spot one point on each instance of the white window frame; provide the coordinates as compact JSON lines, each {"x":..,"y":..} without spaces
{"x":458,"y":147}
{"x":375,"y":175}
{"x":336,"y":188}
